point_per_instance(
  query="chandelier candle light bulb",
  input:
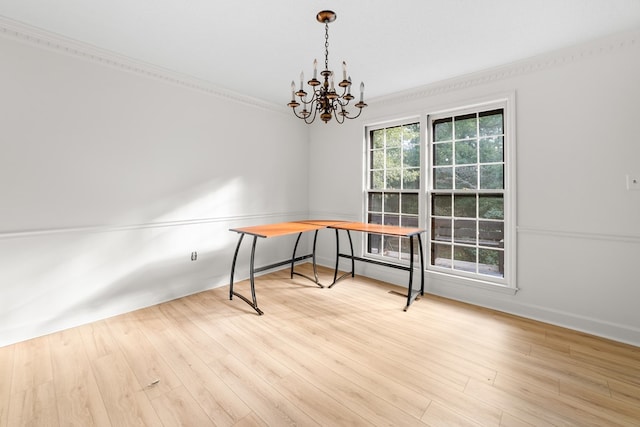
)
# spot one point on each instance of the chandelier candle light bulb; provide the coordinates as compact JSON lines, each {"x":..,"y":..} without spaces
{"x":324,"y":99}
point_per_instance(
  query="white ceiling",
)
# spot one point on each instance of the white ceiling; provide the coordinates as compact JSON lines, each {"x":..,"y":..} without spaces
{"x":256,"y":47}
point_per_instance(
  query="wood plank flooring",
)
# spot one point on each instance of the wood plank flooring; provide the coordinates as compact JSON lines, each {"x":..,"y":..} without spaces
{"x":318,"y":357}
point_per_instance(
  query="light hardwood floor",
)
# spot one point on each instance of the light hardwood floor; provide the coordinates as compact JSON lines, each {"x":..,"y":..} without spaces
{"x":332,"y":357}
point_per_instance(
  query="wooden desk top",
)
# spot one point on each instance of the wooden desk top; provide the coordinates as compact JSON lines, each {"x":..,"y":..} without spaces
{"x":323,"y":222}
{"x":293,"y":227}
{"x":391,"y":230}
{"x":279,"y":229}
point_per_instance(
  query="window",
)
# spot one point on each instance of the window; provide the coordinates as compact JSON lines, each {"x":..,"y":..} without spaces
{"x":467,"y":194}
{"x":461,"y":191}
{"x":393,"y":190}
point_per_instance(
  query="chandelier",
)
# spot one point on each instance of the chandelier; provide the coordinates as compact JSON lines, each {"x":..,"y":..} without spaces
{"x":324,"y":98}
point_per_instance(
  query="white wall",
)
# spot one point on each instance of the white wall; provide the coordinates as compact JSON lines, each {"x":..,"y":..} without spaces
{"x":577,"y":137}
{"x":112,"y":173}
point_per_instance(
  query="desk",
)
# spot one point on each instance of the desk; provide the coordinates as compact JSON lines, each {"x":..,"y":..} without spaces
{"x":389,"y":230}
{"x":299,"y":227}
{"x":276,"y":230}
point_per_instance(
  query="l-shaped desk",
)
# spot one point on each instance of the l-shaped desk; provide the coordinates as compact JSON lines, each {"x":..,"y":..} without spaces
{"x":299,"y":227}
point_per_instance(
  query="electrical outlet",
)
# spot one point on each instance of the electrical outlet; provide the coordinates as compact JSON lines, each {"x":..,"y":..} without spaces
{"x":194,"y":256}
{"x":633,"y":182}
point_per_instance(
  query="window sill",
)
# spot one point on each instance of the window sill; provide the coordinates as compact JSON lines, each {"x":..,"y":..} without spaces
{"x":449,"y":279}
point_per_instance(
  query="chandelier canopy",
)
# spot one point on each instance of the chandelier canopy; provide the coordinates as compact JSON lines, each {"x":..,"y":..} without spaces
{"x":324,"y":98}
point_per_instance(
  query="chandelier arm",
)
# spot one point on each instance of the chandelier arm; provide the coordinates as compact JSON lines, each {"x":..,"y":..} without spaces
{"x":343,"y":103}
{"x":297,"y":115}
{"x":311,"y":116}
{"x":311,"y":101}
{"x":339,"y":117}
{"x":357,"y":115}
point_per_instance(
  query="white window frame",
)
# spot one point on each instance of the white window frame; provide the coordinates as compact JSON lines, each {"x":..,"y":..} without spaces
{"x":506,"y":101}
{"x":367,"y":183}
{"x":507,"y":283}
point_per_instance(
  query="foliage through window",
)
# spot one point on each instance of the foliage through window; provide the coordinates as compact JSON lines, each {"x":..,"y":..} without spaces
{"x":467,"y":194}
{"x":393,"y":195}
{"x":450,"y":174}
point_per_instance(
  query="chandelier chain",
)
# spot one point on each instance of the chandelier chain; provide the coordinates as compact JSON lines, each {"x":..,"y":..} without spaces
{"x":326,"y":46}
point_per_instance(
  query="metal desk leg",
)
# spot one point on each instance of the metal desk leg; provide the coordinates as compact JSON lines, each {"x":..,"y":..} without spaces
{"x":252,"y":275}
{"x":313,"y":257}
{"x":411,"y":294}
{"x":353,"y":262}
{"x":335,"y":271}
{"x":315,"y":269}
{"x":293,"y":257}
{"x":253,"y":304}
{"x":233,"y":266}
{"x":421,"y":266}
{"x":410,"y":289}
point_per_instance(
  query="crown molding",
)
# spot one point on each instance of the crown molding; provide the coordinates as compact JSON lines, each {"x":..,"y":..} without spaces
{"x":47,"y":40}
{"x":600,"y":47}
{"x":19,"y":31}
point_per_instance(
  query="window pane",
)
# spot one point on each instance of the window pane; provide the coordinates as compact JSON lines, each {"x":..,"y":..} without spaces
{"x":466,"y":177}
{"x":377,"y":180}
{"x":466,"y":126}
{"x":409,"y":221}
{"x":392,"y":220}
{"x":465,"y":206}
{"x":491,"y":206}
{"x":377,"y":139}
{"x":443,"y":178}
{"x":491,"y":177}
{"x":410,"y":204}
{"x":441,"y":255}
{"x":491,"y":123}
{"x":412,"y":134}
{"x":491,"y":150}
{"x":375,"y":218}
{"x":374,"y":245}
{"x":464,"y":258}
{"x":411,"y":155}
{"x":464,"y":231}
{"x":491,"y":262}
{"x":443,"y":130}
{"x":441,"y":205}
{"x":392,"y":203}
{"x":375,"y":202}
{"x":441,"y":229}
{"x":491,"y":234}
{"x":466,"y":152}
{"x":394,"y":137}
{"x":393,"y":179}
{"x":391,"y":246}
{"x":411,"y":179}
{"x":443,"y":154}
{"x":393,"y":158}
{"x":377,"y":159}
